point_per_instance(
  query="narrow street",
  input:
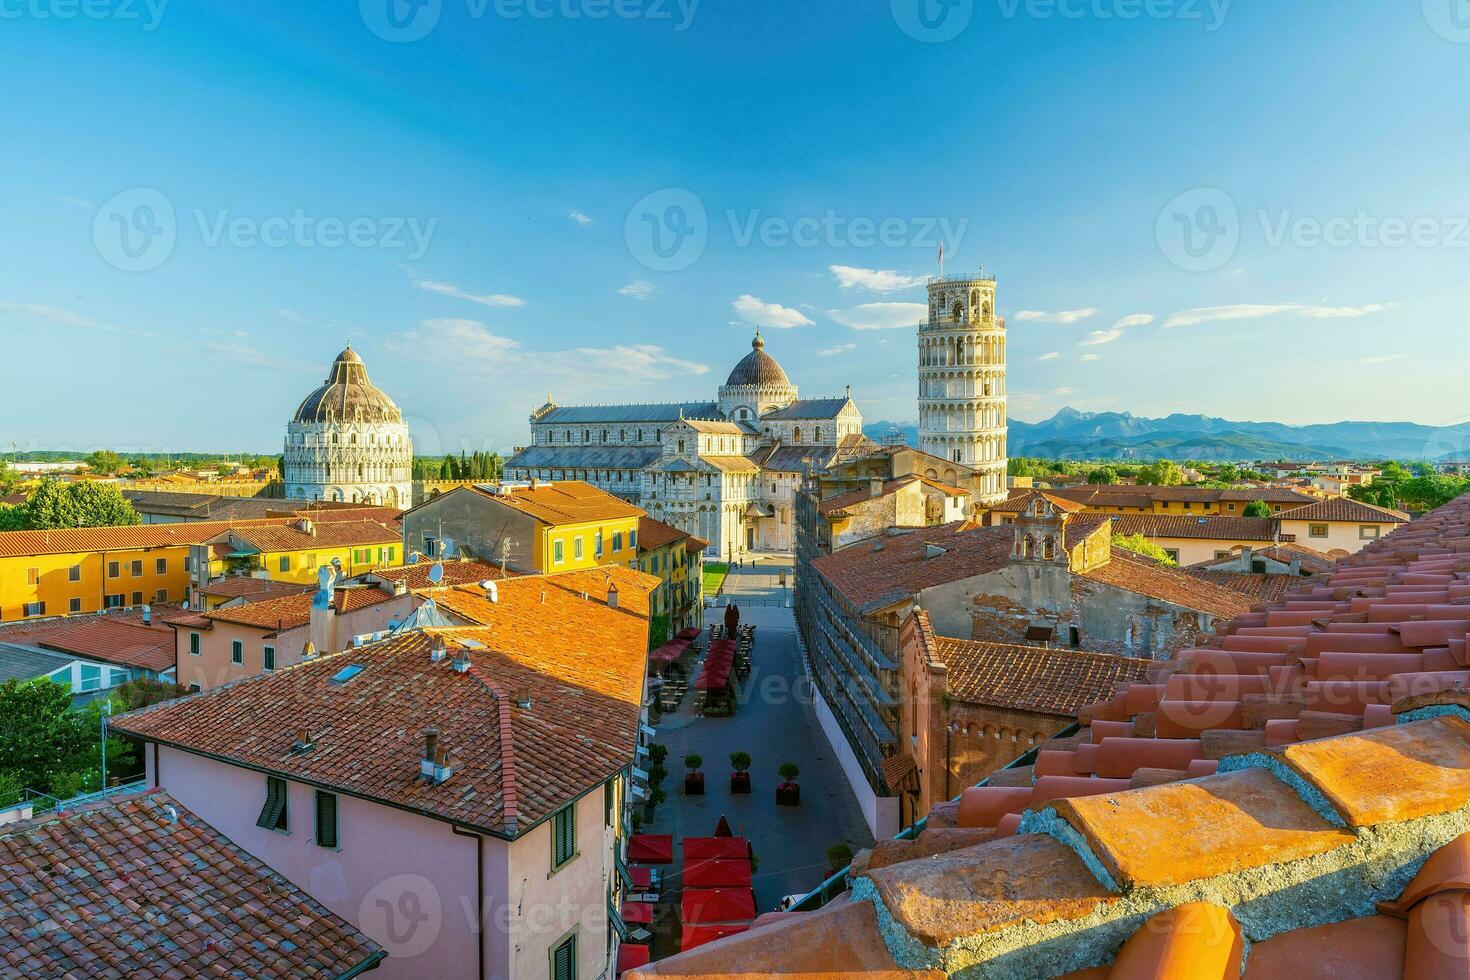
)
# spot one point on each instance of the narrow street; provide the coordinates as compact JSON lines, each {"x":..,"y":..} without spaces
{"x":774,"y":723}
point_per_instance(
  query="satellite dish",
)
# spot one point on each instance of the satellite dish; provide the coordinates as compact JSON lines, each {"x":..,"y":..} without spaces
{"x":446,"y":547}
{"x":413,"y":559}
{"x":436,"y":574}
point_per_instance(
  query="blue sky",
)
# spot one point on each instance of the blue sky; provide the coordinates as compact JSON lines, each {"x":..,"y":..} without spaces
{"x":474,"y":208}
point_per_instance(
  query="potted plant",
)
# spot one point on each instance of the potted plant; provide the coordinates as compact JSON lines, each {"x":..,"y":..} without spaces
{"x":637,"y":821}
{"x":740,"y":778}
{"x":839,"y":856}
{"x":656,"y":795}
{"x":657,"y":753}
{"x":694,"y":780}
{"x":788,"y":793}
{"x":656,"y":774}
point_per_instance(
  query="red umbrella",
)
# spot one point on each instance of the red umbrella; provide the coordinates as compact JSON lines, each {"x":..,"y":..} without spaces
{"x":651,"y":848}
{"x":699,"y":935}
{"x":722,"y":829}
{"x":716,"y":849}
{"x":631,"y":956}
{"x":717,"y":905}
{"x":717,"y":874}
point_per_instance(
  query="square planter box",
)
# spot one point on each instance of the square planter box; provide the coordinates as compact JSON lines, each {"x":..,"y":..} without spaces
{"x":739,"y":782}
{"x":788,"y":794}
{"x":694,"y":784}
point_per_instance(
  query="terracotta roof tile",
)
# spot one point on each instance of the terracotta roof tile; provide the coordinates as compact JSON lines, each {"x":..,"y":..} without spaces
{"x":294,"y":536}
{"x":655,"y":534}
{"x":1345,"y":509}
{"x":1254,"y":587}
{"x":248,"y":587}
{"x":579,"y":664}
{"x":1050,"y":681}
{"x":1134,"y":574}
{"x":1203,"y":527}
{"x":568,"y":502}
{"x":453,"y":572}
{"x":140,"y":886}
{"x":871,"y":577}
{"x":77,"y":540}
{"x":292,"y":611}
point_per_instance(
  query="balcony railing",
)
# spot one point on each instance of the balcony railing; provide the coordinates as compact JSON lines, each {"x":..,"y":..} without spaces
{"x":981,"y":276}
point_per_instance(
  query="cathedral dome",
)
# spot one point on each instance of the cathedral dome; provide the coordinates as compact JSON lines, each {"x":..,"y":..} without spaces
{"x":757,"y":368}
{"x":348,"y":396}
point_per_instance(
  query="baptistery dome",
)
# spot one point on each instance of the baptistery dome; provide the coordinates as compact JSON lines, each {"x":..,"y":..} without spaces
{"x":348,"y":396}
{"x":348,"y":442}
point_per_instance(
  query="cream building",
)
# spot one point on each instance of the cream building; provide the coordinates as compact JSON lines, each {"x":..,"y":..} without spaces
{"x":348,"y":442}
{"x":962,"y":380}
{"x":725,"y":470}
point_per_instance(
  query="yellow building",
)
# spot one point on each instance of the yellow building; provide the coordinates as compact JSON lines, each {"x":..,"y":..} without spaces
{"x":536,"y":527}
{"x":677,"y":558}
{"x":293,"y":550}
{"x":86,"y":570}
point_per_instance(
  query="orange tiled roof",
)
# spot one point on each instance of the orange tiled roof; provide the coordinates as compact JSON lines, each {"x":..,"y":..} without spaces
{"x":114,"y":642}
{"x":1144,"y":576}
{"x":1345,"y":509}
{"x":292,"y":536}
{"x":871,"y":577}
{"x":579,"y":664}
{"x":1098,"y":494}
{"x":1255,"y":587}
{"x":140,"y":886}
{"x":248,"y":587}
{"x":1312,"y":560}
{"x":1214,"y":528}
{"x":292,"y":611}
{"x":1020,"y":498}
{"x":569,"y":502}
{"x":835,"y":505}
{"x":655,"y":534}
{"x":86,"y":539}
{"x":1048,"y":681}
{"x":1276,"y":786}
{"x":454,"y":572}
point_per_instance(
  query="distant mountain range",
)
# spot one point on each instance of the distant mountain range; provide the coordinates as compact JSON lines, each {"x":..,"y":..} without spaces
{"x":1071,"y":434}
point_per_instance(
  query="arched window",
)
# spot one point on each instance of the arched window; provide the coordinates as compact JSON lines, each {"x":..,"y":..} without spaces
{"x":796,"y":434}
{"x":1049,"y":548}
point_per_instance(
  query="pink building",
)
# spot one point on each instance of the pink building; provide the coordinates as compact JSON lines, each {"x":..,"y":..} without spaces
{"x":455,"y":793}
{"x":238,"y":641}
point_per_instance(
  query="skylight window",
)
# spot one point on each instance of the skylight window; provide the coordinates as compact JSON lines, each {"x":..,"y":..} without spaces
{"x":347,"y":673}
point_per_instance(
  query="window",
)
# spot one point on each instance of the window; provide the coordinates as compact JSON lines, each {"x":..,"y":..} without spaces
{"x":557,"y":552}
{"x":113,"y":569}
{"x":577,"y":548}
{"x":285,"y":564}
{"x":160,"y":595}
{"x":74,"y":573}
{"x":137,"y":598}
{"x":431,"y":546}
{"x":34,"y":609}
{"x":597,"y":544}
{"x":1173,"y":554}
{"x":115,"y":601}
{"x":1317,"y":530}
{"x":74,"y":605}
{"x":193,"y":644}
{"x":632,"y":539}
{"x":237,"y":652}
{"x":326,"y":819}
{"x":91,"y":678}
{"x":310,"y":559}
{"x":195,"y":688}
{"x":618,"y":541}
{"x":564,"y":960}
{"x":33,"y":576}
{"x":188,"y":563}
{"x":273,"y":813}
{"x":135,"y":568}
{"x":563,"y":837}
{"x":268,"y":657}
{"x":160,"y":566}
{"x":1368,"y":532}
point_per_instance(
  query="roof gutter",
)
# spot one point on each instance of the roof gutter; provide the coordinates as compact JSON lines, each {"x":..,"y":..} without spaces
{"x":371,"y":963}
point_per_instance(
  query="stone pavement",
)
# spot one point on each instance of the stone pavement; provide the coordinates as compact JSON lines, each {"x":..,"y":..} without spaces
{"x":775,"y":724}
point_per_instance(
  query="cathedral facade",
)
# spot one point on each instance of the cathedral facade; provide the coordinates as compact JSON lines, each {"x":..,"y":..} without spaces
{"x":348,"y":442}
{"x":726,"y":470}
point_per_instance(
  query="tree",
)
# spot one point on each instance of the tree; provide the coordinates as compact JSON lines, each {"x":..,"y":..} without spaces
{"x":104,"y":461}
{"x":47,"y":747}
{"x":60,"y":505}
{"x":1140,"y":545}
{"x":9,"y":479}
{"x":1161,"y":473}
{"x":1103,"y":474}
{"x":1257,"y":508}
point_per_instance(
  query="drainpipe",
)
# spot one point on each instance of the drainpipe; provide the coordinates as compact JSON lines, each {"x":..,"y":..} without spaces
{"x":479,"y":893}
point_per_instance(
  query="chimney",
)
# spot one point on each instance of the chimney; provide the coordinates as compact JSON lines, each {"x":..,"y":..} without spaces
{"x":612,"y":595}
{"x":875,"y":487}
{"x":147,"y":615}
{"x":308,"y":651}
{"x":492,"y":591}
{"x":303,"y":742}
{"x":431,"y":752}
{"x":1296,"y":566}
{"x":442,"y":769}
{"x":1246,"y":554}
{"x":306,"y":527}
{"x":323,"y":626}
{"x":461,"y":662}
{"x":400,"y":587}
{"x":436,"y":649}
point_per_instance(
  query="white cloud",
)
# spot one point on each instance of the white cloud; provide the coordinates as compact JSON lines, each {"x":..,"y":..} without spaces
{"x":880,"y":316}
{"x":474,"y":349}
{"x":1064,"y":391}
{"x":1050,"y":355}
{"x":1091,"y":357}
{"x":1254,"y":311}
{"x":877,"y":280}
{"x":1135,"y":320}
{"x":1097,"y":337}
{"x":638,"y":289}
{"x":1378,"y":359}
{"x":1062,"y":316}
{"x":834,"y":351}
{"x":59,"y":317}
{"x":579,"y":217}
{"x":291,"y":315}
{"x":450,"y":289}
{"x":772,"y":315}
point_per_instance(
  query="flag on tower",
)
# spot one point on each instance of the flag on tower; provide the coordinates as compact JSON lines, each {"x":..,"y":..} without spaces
{"x":941,"y":258}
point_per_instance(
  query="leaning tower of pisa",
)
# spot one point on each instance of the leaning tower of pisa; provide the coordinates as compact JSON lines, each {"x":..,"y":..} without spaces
{"x":962,"y":380}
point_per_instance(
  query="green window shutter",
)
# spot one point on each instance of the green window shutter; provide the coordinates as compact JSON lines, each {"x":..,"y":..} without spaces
{"x":564,"y":960}
{"x":326,"y":819}
{"x":273,"y":813}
